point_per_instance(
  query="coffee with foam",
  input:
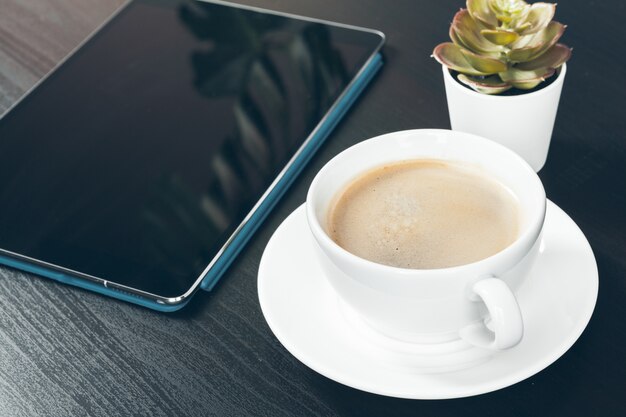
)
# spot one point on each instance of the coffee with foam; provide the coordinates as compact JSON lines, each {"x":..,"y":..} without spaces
{"x":424,"y":214}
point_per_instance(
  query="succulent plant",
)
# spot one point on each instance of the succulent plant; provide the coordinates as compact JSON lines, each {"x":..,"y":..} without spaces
{"x":500,"y":44}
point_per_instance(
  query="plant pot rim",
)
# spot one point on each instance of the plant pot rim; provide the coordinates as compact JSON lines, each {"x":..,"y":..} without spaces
{"x":560,"y":74}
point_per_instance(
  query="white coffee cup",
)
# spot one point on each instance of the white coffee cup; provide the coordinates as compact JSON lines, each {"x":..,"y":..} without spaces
{"x":476,"y":301}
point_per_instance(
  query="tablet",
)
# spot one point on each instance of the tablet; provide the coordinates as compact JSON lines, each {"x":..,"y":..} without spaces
{"x":140,"y":166}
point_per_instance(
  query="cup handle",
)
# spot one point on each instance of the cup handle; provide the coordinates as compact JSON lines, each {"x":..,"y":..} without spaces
{"x":505,"y":317}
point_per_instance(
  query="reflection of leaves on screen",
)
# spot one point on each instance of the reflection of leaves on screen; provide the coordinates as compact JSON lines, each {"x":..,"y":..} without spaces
{"x":282,"y":83}
{"x":221,"y":68}
{"x":326,"y":76}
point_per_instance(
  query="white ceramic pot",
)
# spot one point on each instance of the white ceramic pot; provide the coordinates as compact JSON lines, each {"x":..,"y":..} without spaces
{"x":523,"y":123}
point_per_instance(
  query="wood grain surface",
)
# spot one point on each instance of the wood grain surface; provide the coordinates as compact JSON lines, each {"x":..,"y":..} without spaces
{"x":68,"y":352}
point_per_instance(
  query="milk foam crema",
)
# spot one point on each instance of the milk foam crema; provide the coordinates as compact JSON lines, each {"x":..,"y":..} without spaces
{"x":424,"y":214}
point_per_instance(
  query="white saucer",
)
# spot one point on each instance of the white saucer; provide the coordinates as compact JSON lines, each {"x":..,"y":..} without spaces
{"x":305,"y":315}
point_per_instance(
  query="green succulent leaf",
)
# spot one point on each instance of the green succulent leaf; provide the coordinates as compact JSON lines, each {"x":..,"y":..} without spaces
{"x":538,"y":17}
{"x":450,"y":55}
{"x":507,"y":11}
{"x":508,"y":7}
{"x":532,"y":46}
{"x":480,"y":10}
{"x":466,"y":31}
{"x":522,"y":27}
{"x":525,"y":80}
{"x":515,"y":74}
{"x":552,"y":58}
{"x":486,"y":85}
{"x":466,"y":62}
{"x":456,"y":39}
{"x":538,"y":38}
{"x":460,"y":42}
{"x":504,"y":18}
{"x":528,"y":85}
{"x":499,"y":36}
{"x":484,"y":64}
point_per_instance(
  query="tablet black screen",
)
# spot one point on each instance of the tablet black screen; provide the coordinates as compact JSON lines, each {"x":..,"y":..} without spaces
{"x":137,"y":158}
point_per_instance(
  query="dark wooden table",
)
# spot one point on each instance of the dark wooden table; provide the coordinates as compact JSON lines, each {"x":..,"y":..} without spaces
{"x":64,"y":351}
